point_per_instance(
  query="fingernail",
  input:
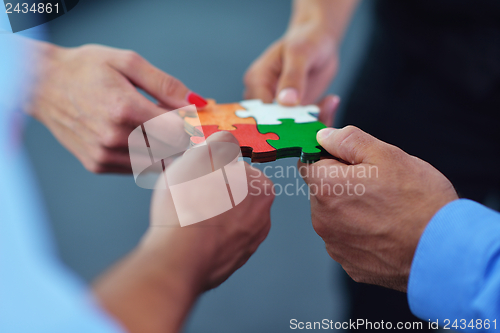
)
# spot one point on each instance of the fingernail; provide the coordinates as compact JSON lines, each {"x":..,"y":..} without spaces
{"x":194,"y":98}
{"x":324,"y":133}
{"x":288,"y":96}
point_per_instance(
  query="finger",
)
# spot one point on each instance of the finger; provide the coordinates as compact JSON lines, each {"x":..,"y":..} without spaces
{"x":350,"y":144}
{"x":126,"y":107}
{"x":114,"y":169}
{"x":261,"y":78}
{"x":166,"y":134}
{"x":95,"y":158}
{"x":292,"y":81}
{"x":165,"y":88}
{"x":262,"y":92}
{"x":168,"y":129}
{"x":105,"y":158}
{"x":317,"y":82}
{"x":115,"y":161}
{"x":327,"y":109}
{"x":133,"y":109}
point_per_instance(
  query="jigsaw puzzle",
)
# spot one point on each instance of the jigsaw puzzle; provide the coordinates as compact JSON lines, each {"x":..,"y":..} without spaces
{"x":253,"y":143}
{"x":266,"y":132}
{"x":295,"y":139}
{"x":270,"y":114}
{"x":222,"y":115}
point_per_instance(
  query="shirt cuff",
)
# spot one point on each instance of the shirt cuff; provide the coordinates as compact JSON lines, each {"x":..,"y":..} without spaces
{"x":456,"y":256}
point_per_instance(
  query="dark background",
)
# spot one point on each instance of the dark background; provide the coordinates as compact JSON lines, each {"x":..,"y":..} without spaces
{"x":208,"y":45}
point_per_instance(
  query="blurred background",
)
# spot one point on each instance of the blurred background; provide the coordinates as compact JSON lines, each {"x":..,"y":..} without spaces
{"x":208,"y":45}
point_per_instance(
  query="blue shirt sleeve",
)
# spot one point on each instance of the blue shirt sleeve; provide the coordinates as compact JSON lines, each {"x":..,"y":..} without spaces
{"x":455,"y":273}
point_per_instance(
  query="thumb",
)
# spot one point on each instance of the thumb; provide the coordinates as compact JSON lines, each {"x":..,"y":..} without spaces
{"x":350,"y":144}
{"x":292,"y":82}
{"x":166,"y":89}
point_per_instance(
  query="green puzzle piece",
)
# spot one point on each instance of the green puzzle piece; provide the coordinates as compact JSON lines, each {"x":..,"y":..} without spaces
{"x":295,"y":140}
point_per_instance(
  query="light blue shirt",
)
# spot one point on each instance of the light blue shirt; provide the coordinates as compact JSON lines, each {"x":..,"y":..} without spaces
{"x":37,"y":293}
{"x":455,"y":273}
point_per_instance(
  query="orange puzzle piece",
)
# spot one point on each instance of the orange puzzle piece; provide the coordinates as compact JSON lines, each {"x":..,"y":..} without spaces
{"x":218,"y":114}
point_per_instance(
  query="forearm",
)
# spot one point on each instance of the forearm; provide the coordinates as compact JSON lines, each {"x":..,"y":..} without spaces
{"x":335,"y":15}
{"x":147,"y":292}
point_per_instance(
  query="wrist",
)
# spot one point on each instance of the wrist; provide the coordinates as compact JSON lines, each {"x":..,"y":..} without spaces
{"x":312,"y":16}
{"x":147,"y":292}
{"x":331,"y":16}
{"x":44,"y":59}
{"x":174,"y":253}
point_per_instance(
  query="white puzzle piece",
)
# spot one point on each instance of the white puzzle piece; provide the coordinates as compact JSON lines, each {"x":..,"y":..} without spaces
{"x":268,"y":114}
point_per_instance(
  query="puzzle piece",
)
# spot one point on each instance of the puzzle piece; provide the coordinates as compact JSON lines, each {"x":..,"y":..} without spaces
{"x":270,"y":114}
{"x":295,"y":139}
{"x":253,"y":143}
{"x":222,"y":115}
{"x":279,"y":131}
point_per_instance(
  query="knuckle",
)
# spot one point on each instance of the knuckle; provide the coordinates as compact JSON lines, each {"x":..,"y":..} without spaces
{"x":320,"y":228}
{"x":299,"y":48}
{"x":357,"y":278}
{"x":349,"y":141}
{"x":350,"y":131}
{"x":112,"y":139}
{"x":332,"y":252}
{"x":94,"y":167}
{"x":99,"y":155}
{"x":89,"y":48}
{"x":121,"y":112}
{"x":131,"y":58}
{"x":96,"y":54}
{"x":257,"y":74}
{"x":395,"y":155}
{"x":269,"y":198}
{"x":321,"y":197}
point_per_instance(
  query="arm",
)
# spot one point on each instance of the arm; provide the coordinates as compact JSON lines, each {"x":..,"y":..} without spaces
{"x":406,"y":229}
{"x":333,"y":16}
{"x":299,"y":66}
{"x":153,"y":289}
{"x":149,"y":291}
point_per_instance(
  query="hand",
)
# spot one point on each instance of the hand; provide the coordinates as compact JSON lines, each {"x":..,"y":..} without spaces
{"x":88,"y":98}
{"x":153,"y":289}
{"x":297,"y":68}
{"x":372,"y":208}
{"x":218,"y":246}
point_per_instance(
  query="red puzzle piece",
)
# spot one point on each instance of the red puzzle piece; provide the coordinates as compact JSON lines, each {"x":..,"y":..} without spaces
{"x":253,"y":143}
